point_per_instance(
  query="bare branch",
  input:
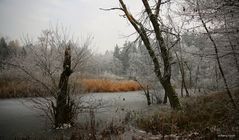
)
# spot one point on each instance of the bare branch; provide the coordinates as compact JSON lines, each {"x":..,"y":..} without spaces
{"x":29,"y":74}
{"x":157,"y":8}
{"x":110,"y":9}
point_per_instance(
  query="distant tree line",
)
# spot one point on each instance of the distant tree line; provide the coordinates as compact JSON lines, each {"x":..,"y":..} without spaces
{"x":10,"y":49}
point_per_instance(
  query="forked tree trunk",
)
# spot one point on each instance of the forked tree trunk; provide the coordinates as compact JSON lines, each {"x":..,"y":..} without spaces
{"x":63,"y":110}
{"x":164,"y":77}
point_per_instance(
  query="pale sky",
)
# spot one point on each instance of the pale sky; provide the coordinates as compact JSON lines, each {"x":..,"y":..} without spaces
{"x":82,"y":17}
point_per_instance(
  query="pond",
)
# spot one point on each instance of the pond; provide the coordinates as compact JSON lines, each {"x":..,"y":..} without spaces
{"x":18,"y":118}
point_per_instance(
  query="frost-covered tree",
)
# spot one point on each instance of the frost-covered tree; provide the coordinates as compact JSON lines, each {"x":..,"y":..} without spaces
{"x":218,"y":20}
{"x":48,"y":64}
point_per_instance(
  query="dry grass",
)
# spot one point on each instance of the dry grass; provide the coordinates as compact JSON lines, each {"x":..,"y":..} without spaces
{"x":99,"y":85}
{"x":212,"y":112}
{"x":15,"y":88}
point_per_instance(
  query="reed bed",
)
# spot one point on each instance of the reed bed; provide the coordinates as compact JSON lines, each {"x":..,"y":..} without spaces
{"x":15,"y":89}
{"x":106,"y":85}
{"x":20,"y":88}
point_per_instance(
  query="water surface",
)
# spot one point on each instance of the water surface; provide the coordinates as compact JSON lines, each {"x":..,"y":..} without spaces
{"x":18,"y":118}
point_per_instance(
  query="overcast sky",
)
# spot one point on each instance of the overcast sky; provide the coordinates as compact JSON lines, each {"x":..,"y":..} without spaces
{"x":81,"y":17}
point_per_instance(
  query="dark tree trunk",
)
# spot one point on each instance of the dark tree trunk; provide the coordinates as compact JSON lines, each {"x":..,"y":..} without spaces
{"x":148,"y":95}
{"x":170,"y":92}
{"x":164,"y":77}
{"x":216,"y":76}
{"x":165,"y":99}
{"x":63,"y":109}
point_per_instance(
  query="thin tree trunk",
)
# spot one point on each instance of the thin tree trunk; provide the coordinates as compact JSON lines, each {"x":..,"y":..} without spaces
{"x":182,"y":71}
{"x":148,"y":95}
{"x":190,"y":74}
{"x":197,"y":77}
{"x":216,"y":76}
{"x":232,"y":47}
{"x":92,"y":125}
{"x":190,"y":77}
{"x":182,"y":85}
{"x":181,"y":68}
{"x":146,"y":92}
{"x":217,"y":58}
{"x":62,"y":115}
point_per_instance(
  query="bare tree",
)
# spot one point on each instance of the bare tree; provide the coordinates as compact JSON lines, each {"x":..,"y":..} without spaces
{"x":180,"y":59}
{"x":48,"y":64}
{"x":163,"y":74}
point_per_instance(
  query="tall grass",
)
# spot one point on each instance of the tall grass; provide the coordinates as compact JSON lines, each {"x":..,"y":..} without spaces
{"x":105,"y":85}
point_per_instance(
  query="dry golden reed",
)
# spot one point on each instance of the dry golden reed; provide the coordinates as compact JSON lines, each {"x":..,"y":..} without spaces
{"x":104,"y":85}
